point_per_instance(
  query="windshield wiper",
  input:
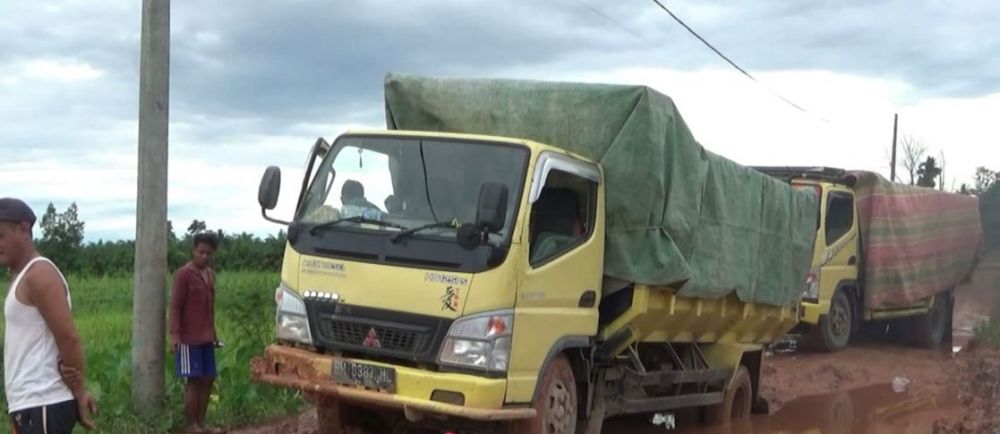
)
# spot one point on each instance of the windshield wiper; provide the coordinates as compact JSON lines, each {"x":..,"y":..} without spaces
{"x":355,"y":219}
{"x":409,"y":232}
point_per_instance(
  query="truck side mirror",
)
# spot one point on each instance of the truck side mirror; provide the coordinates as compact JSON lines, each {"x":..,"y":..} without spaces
{"x":267,"y":193}
{"x":270,"y":187}
{"x":491,"y":214}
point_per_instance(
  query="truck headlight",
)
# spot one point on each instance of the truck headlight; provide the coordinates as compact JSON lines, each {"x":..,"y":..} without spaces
{"x":811,"y":292}
{"x":291,"y":322}
{"x":481,"y":341}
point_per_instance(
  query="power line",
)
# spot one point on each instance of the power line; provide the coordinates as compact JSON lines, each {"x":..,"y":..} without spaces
{"x":610,"y":20}
{"x":728,"y":60}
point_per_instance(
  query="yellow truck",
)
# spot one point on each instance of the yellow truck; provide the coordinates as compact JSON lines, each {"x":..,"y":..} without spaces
{"x":480,"y":268}
{"x":886,"y":255}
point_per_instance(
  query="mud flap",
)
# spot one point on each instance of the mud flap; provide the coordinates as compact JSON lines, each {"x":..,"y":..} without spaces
{"x":595,"y":419}
{"x":593,"y":423}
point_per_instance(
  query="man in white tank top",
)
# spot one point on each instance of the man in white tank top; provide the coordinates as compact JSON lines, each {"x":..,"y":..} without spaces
{"x":40,"y":336}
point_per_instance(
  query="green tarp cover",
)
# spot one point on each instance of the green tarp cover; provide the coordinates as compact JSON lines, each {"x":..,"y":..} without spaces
{"x":676,"y":213}
{"x":917,"y":241}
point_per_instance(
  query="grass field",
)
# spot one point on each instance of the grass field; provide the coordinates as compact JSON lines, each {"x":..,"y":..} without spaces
{"x":102,"y":308}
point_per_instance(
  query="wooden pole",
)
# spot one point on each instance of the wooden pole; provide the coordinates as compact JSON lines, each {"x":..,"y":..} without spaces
{"x":149,"y":297}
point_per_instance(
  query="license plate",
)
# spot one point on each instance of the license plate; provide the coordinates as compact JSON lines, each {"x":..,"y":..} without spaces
{"x":368,"y":376}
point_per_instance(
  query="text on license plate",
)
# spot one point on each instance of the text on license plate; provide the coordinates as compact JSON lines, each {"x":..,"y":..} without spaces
{"x":369,"y":376}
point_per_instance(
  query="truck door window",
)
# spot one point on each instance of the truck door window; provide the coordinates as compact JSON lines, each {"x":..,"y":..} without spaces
{"x":839,"y":216}
{"x":563,"y":216}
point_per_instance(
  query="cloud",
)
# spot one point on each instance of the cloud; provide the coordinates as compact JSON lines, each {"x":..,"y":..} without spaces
{"x":255,"y":85}
{"x":63,"y":70}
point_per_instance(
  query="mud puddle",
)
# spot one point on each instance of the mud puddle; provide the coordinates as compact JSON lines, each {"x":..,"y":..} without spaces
{"x":867,"y":410}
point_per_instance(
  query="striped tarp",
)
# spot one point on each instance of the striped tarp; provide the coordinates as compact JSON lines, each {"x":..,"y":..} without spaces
{"x":917,"y":241}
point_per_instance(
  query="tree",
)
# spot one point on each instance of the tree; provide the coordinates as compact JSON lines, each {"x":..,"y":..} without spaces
{"x":171,"y":236}
{"x":927,"y":172}
{"x":987,"y":188}
{"x":62,"y":236}
{"x":196,"y":227}
{"x":914,"y":152}
{"x":985,"y":180}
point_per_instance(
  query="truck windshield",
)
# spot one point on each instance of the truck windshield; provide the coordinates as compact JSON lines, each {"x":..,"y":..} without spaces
{"x":389,"y":184}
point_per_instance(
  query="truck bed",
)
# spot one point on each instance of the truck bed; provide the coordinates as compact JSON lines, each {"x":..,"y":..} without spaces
{"x":917,"y":242}
{"x":660,"y":314}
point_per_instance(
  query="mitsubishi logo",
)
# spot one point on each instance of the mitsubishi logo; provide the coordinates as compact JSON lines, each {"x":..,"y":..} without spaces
{"x":372,"y":341}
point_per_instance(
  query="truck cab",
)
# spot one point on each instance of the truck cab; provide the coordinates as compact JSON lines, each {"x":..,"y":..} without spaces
{"x":461,"y":268}
{"x":833,"y":300}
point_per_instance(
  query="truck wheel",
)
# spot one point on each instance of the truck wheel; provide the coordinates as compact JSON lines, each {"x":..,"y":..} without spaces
{"x":736,"y":401}
{"x":556,"y":402}
{"x":929,"y":330}
{"x":834,"y":330}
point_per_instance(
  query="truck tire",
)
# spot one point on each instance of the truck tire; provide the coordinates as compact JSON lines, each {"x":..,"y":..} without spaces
{"x":930,"y":330}
{"x":736,"y":401}
{"x":834,"y":329}
{"x":556,"y":402}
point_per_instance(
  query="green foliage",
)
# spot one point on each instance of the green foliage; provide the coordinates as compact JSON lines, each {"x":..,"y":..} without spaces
{"x":928,"y":172}
{"x":196,"y":227}
{"x":237,"y":252}
{"x":100,"y":278}
{"x":985,"y":179}
{"x":988,"y":189}
{"x":62,"y":235}
{"x":102,"y":307}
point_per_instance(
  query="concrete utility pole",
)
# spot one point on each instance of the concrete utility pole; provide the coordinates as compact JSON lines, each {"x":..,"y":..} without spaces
{"x":895,"y":124}
{"x":149,"y":298}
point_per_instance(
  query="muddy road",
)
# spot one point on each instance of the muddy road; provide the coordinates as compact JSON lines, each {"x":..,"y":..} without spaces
{"x":852,"y":391}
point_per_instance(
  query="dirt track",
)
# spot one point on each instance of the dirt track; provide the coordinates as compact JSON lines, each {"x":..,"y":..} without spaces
{"x":877,"y":361}
{"x":859,"y":376}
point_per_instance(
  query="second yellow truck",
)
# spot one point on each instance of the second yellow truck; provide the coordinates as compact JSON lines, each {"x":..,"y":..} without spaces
{"x":887,"y":255}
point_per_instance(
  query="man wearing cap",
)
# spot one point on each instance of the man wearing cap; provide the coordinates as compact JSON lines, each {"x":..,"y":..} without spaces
{"x":43,"y":357}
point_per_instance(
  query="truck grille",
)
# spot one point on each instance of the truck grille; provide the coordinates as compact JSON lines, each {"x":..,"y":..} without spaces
{"x":355,"y":334}
{"x":378,"y":333}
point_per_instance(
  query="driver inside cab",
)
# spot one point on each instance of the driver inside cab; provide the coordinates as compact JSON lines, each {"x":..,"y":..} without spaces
{"x":352,"y":196}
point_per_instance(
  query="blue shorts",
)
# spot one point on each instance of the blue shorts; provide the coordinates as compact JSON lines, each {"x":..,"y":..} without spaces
{"x":195,"y":361}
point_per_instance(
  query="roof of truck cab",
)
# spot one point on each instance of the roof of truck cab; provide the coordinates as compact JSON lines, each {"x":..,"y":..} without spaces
{"x":536,"y":147}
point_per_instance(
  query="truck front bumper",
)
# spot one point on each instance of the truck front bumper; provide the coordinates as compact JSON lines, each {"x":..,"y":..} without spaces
{"x":310,"y":372}
{"x":812,"y":311}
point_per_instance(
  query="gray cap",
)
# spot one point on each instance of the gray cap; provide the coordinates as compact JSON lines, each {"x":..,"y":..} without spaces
{"x":15,"y":210}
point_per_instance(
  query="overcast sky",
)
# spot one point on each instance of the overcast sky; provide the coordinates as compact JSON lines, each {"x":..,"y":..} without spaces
{"x":255,"y":85}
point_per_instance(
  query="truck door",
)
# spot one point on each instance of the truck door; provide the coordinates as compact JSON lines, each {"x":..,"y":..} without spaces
{"x":559,"y":292}
{"x":839,"y":269}
{"x":841,"y":236}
